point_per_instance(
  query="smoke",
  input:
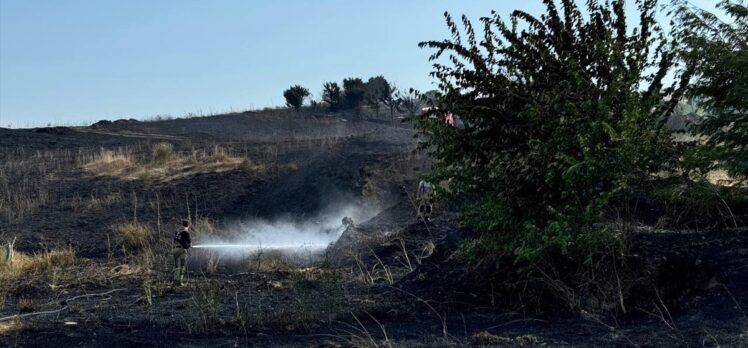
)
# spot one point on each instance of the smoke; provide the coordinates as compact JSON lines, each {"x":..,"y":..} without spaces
{"x":308,"y":237}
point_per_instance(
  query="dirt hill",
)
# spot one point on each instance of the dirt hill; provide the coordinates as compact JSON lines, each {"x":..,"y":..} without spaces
{"x":93,"y":210}
{"x":67,"y":186}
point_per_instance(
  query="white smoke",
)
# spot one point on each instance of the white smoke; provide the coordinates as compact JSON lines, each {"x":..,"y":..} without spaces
{"x":312,"y":236}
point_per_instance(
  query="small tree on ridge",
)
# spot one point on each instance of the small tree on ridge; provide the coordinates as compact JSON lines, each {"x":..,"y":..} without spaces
{"x":295,"y":96}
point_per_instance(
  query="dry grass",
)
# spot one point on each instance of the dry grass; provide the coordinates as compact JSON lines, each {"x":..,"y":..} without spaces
{"x":11,"y":326}
{"x":270,"y":261}
{"x":37,"y":263}
{"x":133,"y":236}
{"x":94,"y":202}
{"x":25,"y":305}
{"x":205,"y":307}
{"x":375,"y":272}
{"x":202,"y":227}
{"x":109,"y":162}
{"x":162,"y":162}
{"x":214,"y":261}
{"x":51,"y":259}
{"x":163,"y":152}
{"x":3,"y":296}
{"x":26,"y":177}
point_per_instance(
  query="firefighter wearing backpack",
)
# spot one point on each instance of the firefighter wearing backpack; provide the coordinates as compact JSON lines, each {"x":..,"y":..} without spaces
{"x":424,"y":196}
{"x":182,"y":242}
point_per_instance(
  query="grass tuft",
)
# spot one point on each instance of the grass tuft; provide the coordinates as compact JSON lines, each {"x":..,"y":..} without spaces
{"x":163,"y":152}
{"x":37,"y":263}
{"x":205,"y":306}
{"x":110,"y":162}
{"x":133,"y":236}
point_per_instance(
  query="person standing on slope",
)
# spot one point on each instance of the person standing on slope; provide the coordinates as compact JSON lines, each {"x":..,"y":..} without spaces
{"x":182,"y":242}
{"x":424,"y":196}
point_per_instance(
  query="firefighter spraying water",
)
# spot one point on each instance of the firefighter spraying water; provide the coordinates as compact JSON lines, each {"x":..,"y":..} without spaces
{"x":283,"y":237}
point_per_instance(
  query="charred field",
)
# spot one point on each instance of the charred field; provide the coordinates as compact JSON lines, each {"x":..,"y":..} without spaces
{"x":92,"y":211}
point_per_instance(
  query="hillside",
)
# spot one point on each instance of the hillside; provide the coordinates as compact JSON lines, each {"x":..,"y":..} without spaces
{"x":293,"y":162}
{"x":93,"y":209}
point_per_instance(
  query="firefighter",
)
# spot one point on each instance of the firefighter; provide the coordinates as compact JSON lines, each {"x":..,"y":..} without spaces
{"x":424,"y":195}
{"x":182,"y":242}
{"x":347,"y":222}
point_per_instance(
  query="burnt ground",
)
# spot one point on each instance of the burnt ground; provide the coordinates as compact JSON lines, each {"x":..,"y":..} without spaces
{"x":316,"y":160}
{"x":389,"y":281}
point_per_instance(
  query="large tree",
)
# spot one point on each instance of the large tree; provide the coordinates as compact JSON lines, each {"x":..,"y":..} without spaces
{"x":332,"y":96}
{"x":560,"y":112}
{"x":295,"y":96}
{"x":715,"y":72}
{"x":354,"y":91}
{"x":378,"y":92}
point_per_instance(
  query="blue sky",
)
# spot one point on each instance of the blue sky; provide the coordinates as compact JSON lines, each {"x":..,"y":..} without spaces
{"x":73,"y":62}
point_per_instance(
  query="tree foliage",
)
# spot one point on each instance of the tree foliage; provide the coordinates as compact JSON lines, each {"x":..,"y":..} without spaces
{"x":295,"y":96}
{"x":558,"y":117}
{"x":715,"y":72}
{"x":409,"y":102}
{"x":354,"y":91}
{"x":332,"y":96}
{"x":378,"y":92}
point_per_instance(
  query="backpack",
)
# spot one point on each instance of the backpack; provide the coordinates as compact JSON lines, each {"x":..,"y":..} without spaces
{"x":185,"y":244}
{"x":426,"y":188}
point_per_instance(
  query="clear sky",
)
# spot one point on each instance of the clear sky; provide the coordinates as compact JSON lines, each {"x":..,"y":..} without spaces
{"x":72,"y":62}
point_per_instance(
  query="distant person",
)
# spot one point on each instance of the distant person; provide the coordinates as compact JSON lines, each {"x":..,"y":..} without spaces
{"x":449,"y":119}
{"x":347,"y":222}
{"x":182,"y":242}
{"x":424,"y":196}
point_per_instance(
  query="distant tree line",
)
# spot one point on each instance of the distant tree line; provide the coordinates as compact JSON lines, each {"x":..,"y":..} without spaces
{"x":376,"y":93}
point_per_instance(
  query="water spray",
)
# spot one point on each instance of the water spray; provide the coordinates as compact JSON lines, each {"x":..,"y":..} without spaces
{"x":286,"y":238}
{"x":257,"y":247}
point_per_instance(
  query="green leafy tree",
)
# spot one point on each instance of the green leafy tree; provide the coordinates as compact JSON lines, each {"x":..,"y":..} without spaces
{"x":354,"y":92}
{"x":378,"y":90}
{"x":332,"y":96}
{"x":715,"y":72}
{"x":295,"y":96}
{"x":558,"y":117}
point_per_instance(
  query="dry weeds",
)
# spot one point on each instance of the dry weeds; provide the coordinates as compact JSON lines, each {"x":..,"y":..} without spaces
{"x":37,"y":263}
{"x":133,"y":236}
{"x":162,"y":162}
